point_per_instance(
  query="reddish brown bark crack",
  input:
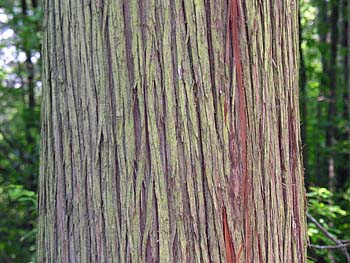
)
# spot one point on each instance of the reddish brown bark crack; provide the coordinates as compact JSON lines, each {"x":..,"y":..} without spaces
{"x":231,"y":255}
{"x":232,"y":39}
{"x":230,"y":250}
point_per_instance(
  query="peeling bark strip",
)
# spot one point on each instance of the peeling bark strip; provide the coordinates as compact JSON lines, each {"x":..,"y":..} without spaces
{"x":230,"y":250}
{"x":232,"y":39}
{"x":170,"y":132}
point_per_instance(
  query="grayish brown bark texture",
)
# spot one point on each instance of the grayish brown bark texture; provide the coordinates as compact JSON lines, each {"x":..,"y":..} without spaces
{"x":170,"y":132}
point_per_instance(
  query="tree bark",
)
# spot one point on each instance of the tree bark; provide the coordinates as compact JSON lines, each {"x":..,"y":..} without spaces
{"x":170,"y":132}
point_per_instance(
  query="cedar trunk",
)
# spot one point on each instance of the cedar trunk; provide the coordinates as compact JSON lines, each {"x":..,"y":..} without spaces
{"x":170,"y":132}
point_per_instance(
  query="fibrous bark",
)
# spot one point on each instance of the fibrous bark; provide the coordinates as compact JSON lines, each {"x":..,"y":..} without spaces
{"x":170,"y":132}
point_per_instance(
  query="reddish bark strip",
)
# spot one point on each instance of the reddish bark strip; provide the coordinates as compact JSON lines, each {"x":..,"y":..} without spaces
{"x":230,"y":250}
{"x":233,"y":30}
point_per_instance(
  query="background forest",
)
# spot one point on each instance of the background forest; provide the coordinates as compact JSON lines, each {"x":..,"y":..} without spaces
{"x":324,"y":104}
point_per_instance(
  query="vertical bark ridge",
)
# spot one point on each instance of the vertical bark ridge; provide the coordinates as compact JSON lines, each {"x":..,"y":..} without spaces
{"x":170,"y":132}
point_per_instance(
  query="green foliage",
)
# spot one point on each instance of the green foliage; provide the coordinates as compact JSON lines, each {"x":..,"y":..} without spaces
{"x":20,"y":34}
{"x":327,"y":132}
{"x":332,"y":211}
{"x":17,"y":208}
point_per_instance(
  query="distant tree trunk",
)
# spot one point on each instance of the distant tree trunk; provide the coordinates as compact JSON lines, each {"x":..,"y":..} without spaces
{"x":29,"y":85}
{"x":29,"y":79}
{"x":303,"y":106}
{"x":348,"y":82}
{"x":332,"y":96}
{"x":321,"y":160}
{"x":344,"y":96}
{"x":345,"y":178}
{"x":170,"y":132}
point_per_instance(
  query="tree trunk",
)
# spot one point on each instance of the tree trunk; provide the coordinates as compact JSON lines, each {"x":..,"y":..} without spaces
{"x":170,"y":132}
